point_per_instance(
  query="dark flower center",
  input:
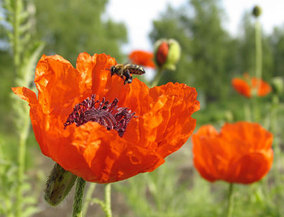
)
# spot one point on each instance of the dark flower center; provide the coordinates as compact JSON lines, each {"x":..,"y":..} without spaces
{"x":107,"y":114}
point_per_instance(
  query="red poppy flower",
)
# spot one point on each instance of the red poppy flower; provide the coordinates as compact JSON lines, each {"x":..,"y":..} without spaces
{"x":245,"y":86}
{"x":99,"y":129}
{"x":142,"y":58}
{"x":240,"y":153}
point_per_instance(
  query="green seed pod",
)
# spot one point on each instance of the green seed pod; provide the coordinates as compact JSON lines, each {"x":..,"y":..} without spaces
{"x":256,"y":11}
{"x":58,"y":185}
{"x":174,"y":54}
{"x":167,"y":53}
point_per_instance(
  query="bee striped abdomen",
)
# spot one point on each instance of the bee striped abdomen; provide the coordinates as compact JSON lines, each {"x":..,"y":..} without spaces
{"x":125,"y":71}
{"x":135,"y":69}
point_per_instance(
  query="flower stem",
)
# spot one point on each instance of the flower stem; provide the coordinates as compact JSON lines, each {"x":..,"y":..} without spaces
{"x":157,"y":78}
{"x":247,"y":111}
{"x":78,"y":199}
{"x":258,"y":51}
{"x":88,"y":198}
{"x":108,"y":200}
{"x":230,"y":200}
{"x":21,"y":168}
{"x":24,"y":130}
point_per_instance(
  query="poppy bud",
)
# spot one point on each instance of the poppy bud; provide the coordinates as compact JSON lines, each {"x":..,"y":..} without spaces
{"x":277,"y":85}
{"x":58,"y":185}
{"x":256,"y":11}
{"x":167,"y":53}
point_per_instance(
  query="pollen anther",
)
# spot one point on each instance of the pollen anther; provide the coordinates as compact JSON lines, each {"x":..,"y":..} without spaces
{"x":107,"y":114}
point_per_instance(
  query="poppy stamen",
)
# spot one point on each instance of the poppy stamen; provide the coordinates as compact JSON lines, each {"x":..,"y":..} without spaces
{"x":107,"y":114}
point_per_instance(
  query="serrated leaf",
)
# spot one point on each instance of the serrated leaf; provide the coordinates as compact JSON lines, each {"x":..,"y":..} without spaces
{"x":24,"y":28}
{"x":10,"y":36}
{"x":30,"y":211}
{"x":11,"y":171}
{"x":8,"y":5}
{"x":20,"y":5}
{"x":26,"y":39}
{"x":26,"y":187}
{"x":29,"y":200}
{"x":30,"y":62}
{"x":23,"y":16}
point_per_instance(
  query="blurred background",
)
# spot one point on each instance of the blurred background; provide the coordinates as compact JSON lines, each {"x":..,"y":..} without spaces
{"x":217,"y":43}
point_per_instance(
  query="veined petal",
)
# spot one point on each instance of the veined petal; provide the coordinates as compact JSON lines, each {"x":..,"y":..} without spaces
{"x":26,"y":94}
{"x":57,"y":83}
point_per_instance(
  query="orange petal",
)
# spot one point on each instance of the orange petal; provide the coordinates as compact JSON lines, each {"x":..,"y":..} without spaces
{"x":241,"y":87}
{"x":26,"y":94}
{"x":57,"y":84}
{"x":209,"y":157}
{"x":101,"y":74}
{"x":176,"y":113}
{"x":142,"y":58}
{"x":84,"y":65}
{"x":108,"y":156}
{"x":263,"y":87}
{"x":240,"y":153}
{"x":250,"y":167}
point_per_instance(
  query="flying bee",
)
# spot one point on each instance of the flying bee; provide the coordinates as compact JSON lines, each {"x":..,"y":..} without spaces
{"x":125,"y":71}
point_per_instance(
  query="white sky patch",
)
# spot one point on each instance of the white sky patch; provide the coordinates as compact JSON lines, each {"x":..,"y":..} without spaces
{"x":138,"y":16}
{"x":272,"y":13}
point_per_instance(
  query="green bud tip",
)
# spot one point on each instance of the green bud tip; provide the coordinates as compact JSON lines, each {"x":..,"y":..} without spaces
{"x":58,"y":185}
{"x":256,"y":11}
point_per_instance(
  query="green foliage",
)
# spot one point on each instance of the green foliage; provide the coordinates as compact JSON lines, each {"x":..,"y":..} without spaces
{"x":5,"y":85}
{"x":18,"y":25}
{"x":175,"y":190}
{"x":207,"y":49}
{"x":210,"y":56}
{"x":8,"y":177}
{"x":277,"y":43}
{"x":172,"y":190}
{"x":70,"y":27}
{"x":246,"y":50}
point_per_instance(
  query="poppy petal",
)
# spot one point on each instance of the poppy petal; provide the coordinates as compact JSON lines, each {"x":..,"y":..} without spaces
{"x":57,"y":84}
{"x":240,"y":153}
{"x":26,"y":94}
{"x":176,"y":114}
{"x":250,"y":167}
{"x":96,"y":151}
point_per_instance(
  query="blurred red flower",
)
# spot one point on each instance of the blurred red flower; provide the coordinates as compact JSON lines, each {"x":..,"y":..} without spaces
{"x":240,"y":153}
{"x":162,"y":53}
{"x":246,"y":86}
{"x":99,"y":129}
{"x":142,"y":58}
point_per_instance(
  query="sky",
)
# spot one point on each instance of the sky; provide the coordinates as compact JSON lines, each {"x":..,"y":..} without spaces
{"x":138,"y":16}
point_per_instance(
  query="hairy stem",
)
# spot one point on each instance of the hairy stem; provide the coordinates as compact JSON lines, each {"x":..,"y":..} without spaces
{"x":78,"y":199}
{"x":24,"y":130}
{"x":21,"y":168}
